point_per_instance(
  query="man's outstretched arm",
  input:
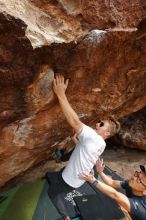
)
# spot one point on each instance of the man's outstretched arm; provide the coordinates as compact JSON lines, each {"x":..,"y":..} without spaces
{"x":59,"y":87}
{"x":120,"y":198}
{"x":108,"y":180}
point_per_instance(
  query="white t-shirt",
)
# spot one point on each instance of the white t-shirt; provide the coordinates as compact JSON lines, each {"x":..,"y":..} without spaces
{"x":86,"y":153}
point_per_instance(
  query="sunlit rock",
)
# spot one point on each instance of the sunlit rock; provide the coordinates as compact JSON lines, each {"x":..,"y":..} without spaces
{"x":44,"y":26}
{"x":40,"y":93}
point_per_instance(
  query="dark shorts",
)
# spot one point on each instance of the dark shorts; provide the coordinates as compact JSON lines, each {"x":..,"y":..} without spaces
{"x":57,"y":186}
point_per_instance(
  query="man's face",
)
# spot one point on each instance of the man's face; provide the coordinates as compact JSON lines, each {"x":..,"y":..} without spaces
{"x":102,"y":128}
{"x":138,"y":181}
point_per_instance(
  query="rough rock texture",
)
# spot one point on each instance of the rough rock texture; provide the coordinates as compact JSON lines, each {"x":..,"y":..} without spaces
{"x":133,"y":132}
{"x":106,"y":68}
{"x":119,"y":14}
{"x":45,"y":24}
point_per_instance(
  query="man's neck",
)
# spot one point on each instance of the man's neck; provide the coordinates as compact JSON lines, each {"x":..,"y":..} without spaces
{"x":137,"y":193}
{"x":101,"y":135}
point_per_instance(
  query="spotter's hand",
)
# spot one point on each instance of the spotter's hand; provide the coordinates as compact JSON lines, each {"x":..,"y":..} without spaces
{"x":87,"y":177}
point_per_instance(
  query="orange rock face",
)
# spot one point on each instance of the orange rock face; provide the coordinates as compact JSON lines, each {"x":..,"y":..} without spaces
{"x":106,"y":68}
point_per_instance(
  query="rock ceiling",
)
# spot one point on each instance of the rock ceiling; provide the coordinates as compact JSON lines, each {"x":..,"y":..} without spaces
{"x":99,"y":45}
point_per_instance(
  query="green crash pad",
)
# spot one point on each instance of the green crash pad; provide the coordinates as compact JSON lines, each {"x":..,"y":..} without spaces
{"x":28,"y":202}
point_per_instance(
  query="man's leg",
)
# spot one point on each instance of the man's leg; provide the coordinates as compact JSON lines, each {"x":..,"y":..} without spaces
{"x":55,"y":189}
{"x":60,"y":204}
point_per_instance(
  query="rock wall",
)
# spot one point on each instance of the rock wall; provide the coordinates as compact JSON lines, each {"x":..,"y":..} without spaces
{"x":100,"y":46}
{"x":133,"y":131}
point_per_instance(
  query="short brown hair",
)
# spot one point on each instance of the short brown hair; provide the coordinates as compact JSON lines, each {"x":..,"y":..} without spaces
{"x":114,"y":127}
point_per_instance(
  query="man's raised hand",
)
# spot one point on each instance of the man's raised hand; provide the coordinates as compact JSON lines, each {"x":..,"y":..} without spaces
{"x":60,"y":85}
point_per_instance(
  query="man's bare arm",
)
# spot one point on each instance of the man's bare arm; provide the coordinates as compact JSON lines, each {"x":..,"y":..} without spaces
{"x":106,"y":179}
{"x":59,"y":87}
{"x":109,"y":181}
{"x":120,"y":198}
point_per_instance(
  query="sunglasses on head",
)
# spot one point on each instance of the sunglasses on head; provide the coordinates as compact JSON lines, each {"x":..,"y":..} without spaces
{"x":101,"y":123}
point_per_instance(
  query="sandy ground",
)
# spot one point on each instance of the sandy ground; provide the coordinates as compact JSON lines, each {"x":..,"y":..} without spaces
{"x":124,"y":160}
